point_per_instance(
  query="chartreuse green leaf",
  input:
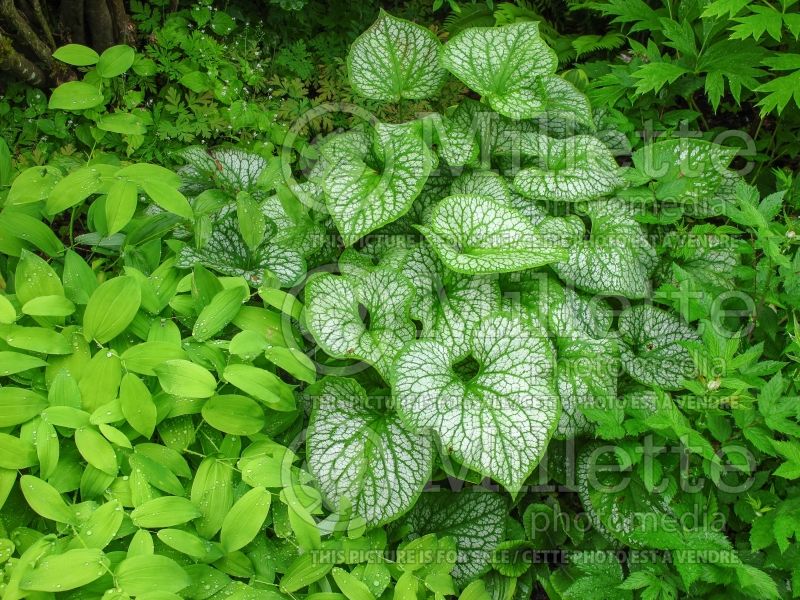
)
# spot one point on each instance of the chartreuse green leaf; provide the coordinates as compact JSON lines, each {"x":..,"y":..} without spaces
{"x":67,"y":571}
{"x":479,"y":235}
{"x":513,"y":69}
{"x":264,"y":386}
{"x":212,"y":493}
{"x":245,"y":519}
{"x":361,"y":455}
{"x":617,"y":259}
{"x":145,"y":357}
{"x":45,"y":500}
{"x":96,"y":450}
{"x":568,"y":169}
{"x":651,"y":349}
{"x":293,"y":361}
{"x":120,"y":204}
{"x":35,"y":278}
{"x":33,"y":185}
{"x":372,"y":180}
{"x":19,"y":405}
{"x":237,"y":415}
{"x":48,"y":306}
{"x":395,"y":59}
{"x":184,"y":378}
{"x":137,"y":404}
{"x":494,"y":408}
{"x":150,"y":574}
{"x":304,"y":571}
{"x":352,"y":587}
{"x":474,"y":519}
{"x":218,"y":313}
{"x":76,"y":55}
{"x":75,"y":95}
{"x":16,"y":453}
{"x":8,"y":314}
{"x":111,"y":308}
{"x":334,"y":307}
{"x":166,"y":511}
{"x":101,"y":527}
{"x":190,"y":544}
{"x":115,"y":60}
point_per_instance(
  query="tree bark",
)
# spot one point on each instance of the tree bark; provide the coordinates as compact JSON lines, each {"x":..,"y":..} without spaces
{"x":25,"y":33}
{"x":101,"y":27}
{"x":71,"y":17}
{"x":124,"y":32}
{"x":15,"y":63}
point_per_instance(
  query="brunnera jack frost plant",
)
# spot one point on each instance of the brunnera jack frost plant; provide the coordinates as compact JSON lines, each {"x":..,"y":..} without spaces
{"x":481,"y":247}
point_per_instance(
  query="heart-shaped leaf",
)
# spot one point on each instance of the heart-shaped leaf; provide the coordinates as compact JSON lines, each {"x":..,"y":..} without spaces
{"x":495,"y":408}
{"x":479,"y":235}
{"x":362,"y":456}
{"x":617,"y":259}
{"x":371,"y":180}
{"x":367,"y":320}
{"x":474,"y":519}
{"x":226,"y":252}
{"x":229,"y":169}
{"x":512,"y":68}
{"x":651,"y":351}
{"x":574,"y":168}
{"x":395,"y":59}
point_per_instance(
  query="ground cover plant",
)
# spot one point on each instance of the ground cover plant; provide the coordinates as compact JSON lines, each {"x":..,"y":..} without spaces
{"x":429,"y":303}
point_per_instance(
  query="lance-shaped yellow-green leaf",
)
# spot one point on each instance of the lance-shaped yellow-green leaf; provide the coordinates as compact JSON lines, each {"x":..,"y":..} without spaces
{"x":569,"y":169}
{"x":45,"y":500}
{"x":479,"y":235}
{"x":18,"y":405}
{"x":262,"y":385}
{"x":190,"y":544}
{"x":166,"y":511}
{"x":304,"y":571}
{"x":212,"y":493}
{"x":218,"y":313}
{"x":137,"y":405}
{"x":245,"y":519}
{"x":395,"y":59}
{"x":372,"y":180}
{"x":149,"y":574}
{"x":495,"y":408}
{"x":352,"y":587}
{"x":363,"y":458}
{"x":111,"y":308}
{"x":334,"y":306}
{"x":513,"y":69}
{"x":184,"y":378}
{"x":234,"y":414}
{"x":101,"y":527}
{"x":145,"y":357}
{"x":120,"y":204}
{"x":96,"y":450}
{"x":67,"y":571}
{"x":16,"y":453}
{"x":48,"y":306}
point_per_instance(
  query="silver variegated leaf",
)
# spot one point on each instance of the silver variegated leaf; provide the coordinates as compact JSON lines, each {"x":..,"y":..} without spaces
{"x":651,"y":346}
{"x":360,"y":454}
{"x":229,"y":169}
{"x":479,"y":235}
{"x":617,"y":259}
{"x":513,"y":69}
{"x":474,"y":519}
{"x":568,"y":169}
{"x":395,"y":59}
{"x":495,"y":408}
{"x":370,"y":181}
{"x":334,"y":305}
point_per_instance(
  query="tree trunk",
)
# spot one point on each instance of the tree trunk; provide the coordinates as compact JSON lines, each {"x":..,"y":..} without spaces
{"x":101,"y":27}
{"x":15,"y":63}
